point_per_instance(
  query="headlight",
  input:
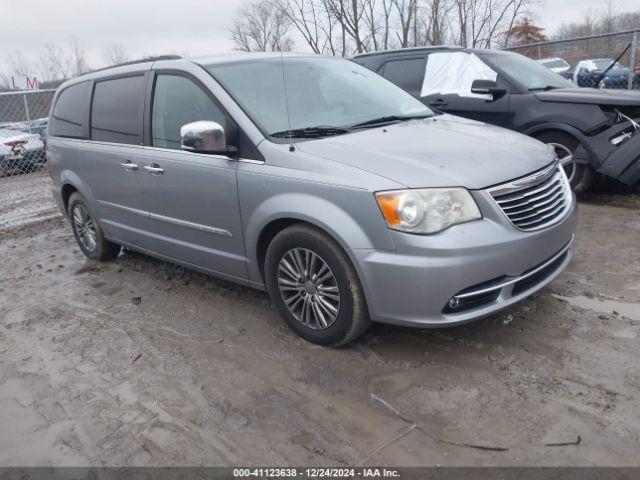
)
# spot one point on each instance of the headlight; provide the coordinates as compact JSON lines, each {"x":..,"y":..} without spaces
{"x":429,"y":210}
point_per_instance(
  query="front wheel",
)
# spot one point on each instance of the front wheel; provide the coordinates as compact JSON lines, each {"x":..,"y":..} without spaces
{"x":580,"y":175}
{"x":314,"y":287}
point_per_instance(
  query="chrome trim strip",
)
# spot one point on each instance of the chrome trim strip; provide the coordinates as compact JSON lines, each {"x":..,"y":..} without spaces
{"x":174,"y":221}
{"x":529,"y":181}
{"x":195,"y":226}
{"x":250,"y":160}
{"x":513,"y":280}
{"x":135,"y":211}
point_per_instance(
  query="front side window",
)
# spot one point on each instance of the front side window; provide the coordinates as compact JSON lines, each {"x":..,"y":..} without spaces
{"x":320,"y":92}
{"x":68,"y":116}
{"x":176,"y":102}
{"x":453,"y":73}
{"x":525,"y":71}
{"x":116,"y":111}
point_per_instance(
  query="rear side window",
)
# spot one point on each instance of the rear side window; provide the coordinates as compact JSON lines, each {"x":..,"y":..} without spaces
{"x":407,"y":73}
{"x":116,"y":111}
{"x":70,"y":111}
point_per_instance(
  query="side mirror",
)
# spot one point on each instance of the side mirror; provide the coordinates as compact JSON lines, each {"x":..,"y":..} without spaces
{"x":488,"y":87}
{"x":205,"y":137}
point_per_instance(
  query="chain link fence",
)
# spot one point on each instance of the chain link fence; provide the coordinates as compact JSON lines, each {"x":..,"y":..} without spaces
{"x":608,"y":61}
{"x":23,"y":127}
{"x":25,"y":195}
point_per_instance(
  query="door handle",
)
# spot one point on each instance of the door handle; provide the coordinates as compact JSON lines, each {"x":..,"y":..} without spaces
{"x":129,"y":166}
{"x":438,"y":103}
{"x":154,"y":169}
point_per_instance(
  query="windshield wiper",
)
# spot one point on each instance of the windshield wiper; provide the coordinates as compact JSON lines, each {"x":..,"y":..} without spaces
{"x":389,"y":119}
{"x":311,"y":132}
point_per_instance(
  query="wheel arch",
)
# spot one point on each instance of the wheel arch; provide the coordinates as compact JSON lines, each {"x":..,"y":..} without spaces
{"x":276,"y":225}
{"x":275,"y":213}
{"x":66,"y":191}
{"x":587,"y":154}
{"x":70,"y":182}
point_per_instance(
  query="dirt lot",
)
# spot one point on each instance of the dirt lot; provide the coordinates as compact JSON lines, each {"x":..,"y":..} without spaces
{"x":26,"y":199}
{"x":137,"y":362}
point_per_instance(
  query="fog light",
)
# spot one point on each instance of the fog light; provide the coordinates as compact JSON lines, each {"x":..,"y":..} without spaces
{"x":455,"y":302}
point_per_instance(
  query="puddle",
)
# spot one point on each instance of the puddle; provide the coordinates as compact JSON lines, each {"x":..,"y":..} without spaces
{"x":629,"y":310}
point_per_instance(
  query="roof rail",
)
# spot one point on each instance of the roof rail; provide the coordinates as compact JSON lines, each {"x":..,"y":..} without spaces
{"x":142,"y":60}
{"x":409,"y":49}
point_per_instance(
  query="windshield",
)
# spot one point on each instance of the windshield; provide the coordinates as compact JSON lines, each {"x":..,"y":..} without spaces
{"x":605,"y":63}
{"x":320,"y":92}
{"x":554,"y":63}
{"x":525,"y":71}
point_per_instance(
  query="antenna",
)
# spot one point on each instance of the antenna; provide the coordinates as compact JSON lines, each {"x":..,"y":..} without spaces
{"x":286,"y":103}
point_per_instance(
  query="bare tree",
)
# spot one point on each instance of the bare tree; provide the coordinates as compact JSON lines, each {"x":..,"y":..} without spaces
{"x":406,"y":14}
{"x":434,"y":20}
{"x":18,"y":64}
{"x":259,"y":27}
{"x":55,"y":63}
{"x":78,"y":56}
{"x":484,"y":23}
{"x":312,"y":21}
{"x":350,"y":15}
{"x":116,"y":54}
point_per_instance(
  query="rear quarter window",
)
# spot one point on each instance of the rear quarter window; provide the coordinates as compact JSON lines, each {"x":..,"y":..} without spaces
{"x":69,"y":112}
{"x":407,"y":73}
{"x":116,"y":110}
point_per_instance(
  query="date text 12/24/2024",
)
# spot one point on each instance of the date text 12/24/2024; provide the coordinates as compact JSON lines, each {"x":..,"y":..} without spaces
{"x":315,"y":473}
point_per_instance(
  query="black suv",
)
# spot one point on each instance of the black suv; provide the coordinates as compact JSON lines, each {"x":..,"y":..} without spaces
{"x":592,"y":130}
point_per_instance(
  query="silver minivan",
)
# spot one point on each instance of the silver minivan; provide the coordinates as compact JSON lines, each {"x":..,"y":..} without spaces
{"x":315,"y":179}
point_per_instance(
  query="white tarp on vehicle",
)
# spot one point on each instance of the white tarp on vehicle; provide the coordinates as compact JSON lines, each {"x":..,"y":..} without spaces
{"x":453,"y":73}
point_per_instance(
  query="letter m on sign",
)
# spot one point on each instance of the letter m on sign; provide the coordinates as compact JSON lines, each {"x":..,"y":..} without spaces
{"x":32,"y":83}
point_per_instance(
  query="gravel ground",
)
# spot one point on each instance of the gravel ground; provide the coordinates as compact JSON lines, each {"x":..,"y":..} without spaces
{"x":25,"y":200}
{"x":138,"y":362}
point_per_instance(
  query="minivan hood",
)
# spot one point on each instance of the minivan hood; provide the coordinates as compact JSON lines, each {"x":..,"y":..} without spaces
{"x":592,"y":96}
{"x":442,"y":151}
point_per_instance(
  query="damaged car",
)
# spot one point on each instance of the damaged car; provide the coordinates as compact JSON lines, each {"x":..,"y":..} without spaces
{"x":594,"y":131}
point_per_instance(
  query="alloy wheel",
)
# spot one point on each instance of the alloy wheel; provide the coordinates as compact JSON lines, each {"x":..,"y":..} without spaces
{"x":85,"y":227}
{"x":308,"y":288}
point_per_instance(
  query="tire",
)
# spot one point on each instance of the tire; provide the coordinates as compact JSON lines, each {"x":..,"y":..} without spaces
{"x":580,"y":175}
{"x":338,"y":287}
{"x":4,"y":168}
{"x":87,"y":231}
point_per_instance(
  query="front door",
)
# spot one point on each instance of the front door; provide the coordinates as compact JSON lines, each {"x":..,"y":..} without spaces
{"x":191,"y":198}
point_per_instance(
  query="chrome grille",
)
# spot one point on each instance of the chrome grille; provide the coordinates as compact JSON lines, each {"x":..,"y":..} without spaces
{"x":536,"y":201}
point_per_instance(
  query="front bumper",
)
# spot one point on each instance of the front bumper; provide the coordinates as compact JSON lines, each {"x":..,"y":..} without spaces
{"x":620,"y":162}
{"x":489,"y":259}
{"x":624,"y":163}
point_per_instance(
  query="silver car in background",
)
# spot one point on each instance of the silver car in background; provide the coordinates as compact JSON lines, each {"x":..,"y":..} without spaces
{"x":315,"y":179}
{"x":20,"y":152}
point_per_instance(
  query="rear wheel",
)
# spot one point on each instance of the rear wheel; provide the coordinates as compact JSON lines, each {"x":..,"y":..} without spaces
{"x":580,"y":175}
{"x":87,"y":231}
{"x":314,"y":287}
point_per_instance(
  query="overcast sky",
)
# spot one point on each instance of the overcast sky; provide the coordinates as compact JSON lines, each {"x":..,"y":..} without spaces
{"x":195,"y":27}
